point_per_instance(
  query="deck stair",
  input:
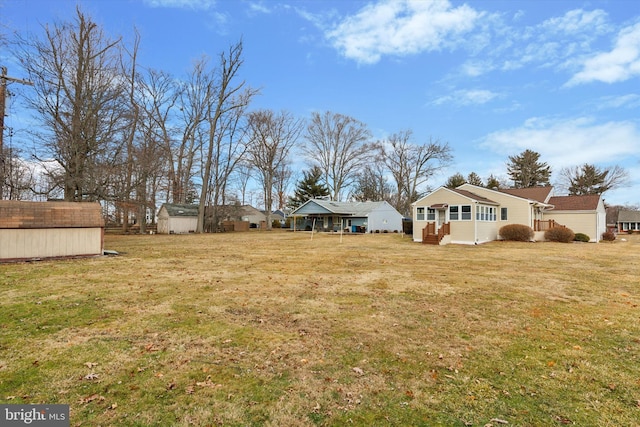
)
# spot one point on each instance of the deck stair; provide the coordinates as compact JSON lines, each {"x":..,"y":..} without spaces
{"x":431,"y":236}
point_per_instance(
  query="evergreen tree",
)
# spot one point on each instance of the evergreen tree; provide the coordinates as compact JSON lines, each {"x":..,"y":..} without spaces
{"x":455,"y":180}
{"x":589,"y":179}
{"x":527,"y":171}
{"x":493,"y":183}
{"x":309,"y":187}
{"x":474,"y":179}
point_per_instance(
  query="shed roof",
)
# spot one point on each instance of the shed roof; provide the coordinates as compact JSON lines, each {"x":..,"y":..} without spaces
{"x":575,"y":203}
{"x":21,"y":214}
{"x":180,"y":210}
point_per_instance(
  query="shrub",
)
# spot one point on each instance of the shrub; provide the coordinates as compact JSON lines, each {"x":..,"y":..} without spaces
{"x":276,"y":224}
{"x":516,"y":233}
{"x":609,"y":236}
{"x":559,"y":234}
{"x":581,"y":237}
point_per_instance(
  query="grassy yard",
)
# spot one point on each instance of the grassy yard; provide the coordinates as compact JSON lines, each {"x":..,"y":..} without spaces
{"x":278,"y":329}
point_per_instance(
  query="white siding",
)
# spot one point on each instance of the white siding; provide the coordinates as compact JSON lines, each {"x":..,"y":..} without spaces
{"x":384,"y":218}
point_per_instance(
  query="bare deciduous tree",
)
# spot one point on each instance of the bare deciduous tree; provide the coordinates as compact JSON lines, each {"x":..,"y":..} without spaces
{"x":412,"y":165}
{"x":372,"y":185}
{"x":271,"y":137}
{"x":223,"y":147}
{"x":337,"y":144}
{"x":78,"y":97}
{"x":17,"y":177}
{"x":195,"y":97}
{"x":282,"y":181}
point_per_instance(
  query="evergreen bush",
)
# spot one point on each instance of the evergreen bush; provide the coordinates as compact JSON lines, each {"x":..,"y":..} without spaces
{"x":581,"y":237}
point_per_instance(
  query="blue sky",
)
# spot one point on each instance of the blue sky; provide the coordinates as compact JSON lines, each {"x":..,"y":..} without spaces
{"x":492,"y":78}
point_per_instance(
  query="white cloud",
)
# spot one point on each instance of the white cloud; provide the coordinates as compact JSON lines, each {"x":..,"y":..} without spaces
{"x":182,"y":4}
{"x":259,"y":7}
{"x":569,"y":142}
{"x":467,"y":97}
{"x":577,"y":21}
{"x":620,"y":64}
{"x":401,"y":27}
{"x":631,"y":100}
{"x":553,"y":43}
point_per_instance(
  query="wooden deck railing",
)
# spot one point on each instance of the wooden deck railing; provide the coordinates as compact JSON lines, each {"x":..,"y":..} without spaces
{"x":430,"y":234}
{"x":443,"y":231}
{"x":428,"y":230}
{"x":541,"y":225}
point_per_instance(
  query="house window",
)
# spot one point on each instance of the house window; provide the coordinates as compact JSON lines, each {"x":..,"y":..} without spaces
{"x":454,"y":212}
{"x":486,"y":213}
{"x":503,"y":214}
{"x":466,"y":212}
{"x":420,"y":214}
{"x":431,"y":214}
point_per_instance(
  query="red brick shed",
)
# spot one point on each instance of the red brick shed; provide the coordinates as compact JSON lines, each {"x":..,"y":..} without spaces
{"x":35,"y":230}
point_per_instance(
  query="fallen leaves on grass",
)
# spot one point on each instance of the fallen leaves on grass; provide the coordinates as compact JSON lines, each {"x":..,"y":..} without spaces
{"x":89,"y":399}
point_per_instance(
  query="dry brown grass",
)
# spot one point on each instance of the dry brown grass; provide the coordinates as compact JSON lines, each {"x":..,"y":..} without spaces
{"x":278,"y":329}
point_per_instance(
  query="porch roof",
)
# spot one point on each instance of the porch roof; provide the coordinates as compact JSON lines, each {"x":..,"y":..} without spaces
{"x":324,"y":207}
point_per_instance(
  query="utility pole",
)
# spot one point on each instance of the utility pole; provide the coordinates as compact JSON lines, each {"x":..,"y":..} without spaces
{"x":3,"y":98}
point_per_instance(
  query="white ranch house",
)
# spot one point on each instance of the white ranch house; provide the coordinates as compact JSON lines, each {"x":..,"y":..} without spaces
{"x":362,"y":217}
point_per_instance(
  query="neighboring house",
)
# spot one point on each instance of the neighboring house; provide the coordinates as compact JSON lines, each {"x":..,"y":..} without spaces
{"x":36,"y":230}
{"x":278,"y":215}
{"x":250,"y":214}
{"x":628,"y":221}
{"x":470,"y":214}
{"x":349,"y":216}
{"x":177,"y":219}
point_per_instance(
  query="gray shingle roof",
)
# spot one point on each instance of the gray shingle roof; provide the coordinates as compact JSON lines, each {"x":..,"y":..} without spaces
{"x":181,"y":210}
{"x":628,"y":216}
{"x":357,"y":209}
